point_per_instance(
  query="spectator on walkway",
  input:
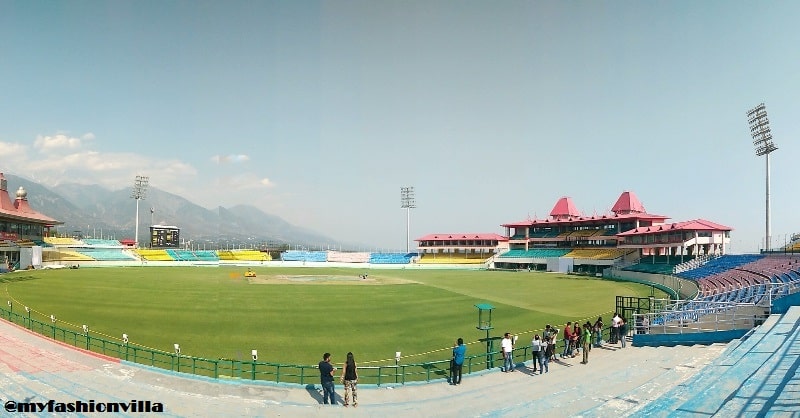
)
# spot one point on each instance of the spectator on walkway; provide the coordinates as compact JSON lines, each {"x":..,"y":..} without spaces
{"x":326,"y":379}
{"x":508,"y":353}
{"x":567,"y":339}
{"x":587,"y":341}
{"x":350,"y":380}
{"x":623,"y":331}
{"x":548,"y":332}
{"x":536,"y":353}
{"x":577,"y":338}
{"x":615,"y":328}
{"x":598,"y":331}
{"x":459,"y":350}
{"x":548,"y":349}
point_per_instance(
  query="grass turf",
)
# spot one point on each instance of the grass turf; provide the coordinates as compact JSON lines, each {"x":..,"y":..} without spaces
{"x":215,"y":313}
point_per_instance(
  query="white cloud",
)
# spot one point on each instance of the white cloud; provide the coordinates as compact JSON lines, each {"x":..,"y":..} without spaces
{"x":47,"y":143}
{"x":12,"y":150}
{"x":242,"y":181}
{"x":88,"y":136}
{"x":233,"y":158}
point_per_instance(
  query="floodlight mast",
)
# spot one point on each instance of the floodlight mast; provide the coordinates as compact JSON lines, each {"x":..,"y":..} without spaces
{"x":407,"y":202}
{"x":139,"y":192}
{"x":762,"y":140}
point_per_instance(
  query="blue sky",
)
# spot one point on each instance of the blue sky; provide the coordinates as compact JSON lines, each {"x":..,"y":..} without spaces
{"x":319,"y":112}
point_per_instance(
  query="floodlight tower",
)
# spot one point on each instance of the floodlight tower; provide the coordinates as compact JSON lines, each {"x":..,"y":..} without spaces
{"x":407,"y":202}
{"x":139,"y":192}
{"x":762,"y":140}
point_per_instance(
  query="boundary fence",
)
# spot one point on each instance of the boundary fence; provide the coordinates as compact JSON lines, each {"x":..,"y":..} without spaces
{"x":391,"y":374}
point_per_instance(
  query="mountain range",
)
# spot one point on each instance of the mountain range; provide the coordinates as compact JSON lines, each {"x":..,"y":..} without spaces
{"x":97,"y":212}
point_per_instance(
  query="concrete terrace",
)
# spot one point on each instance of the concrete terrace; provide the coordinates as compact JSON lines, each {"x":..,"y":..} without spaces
{"x":615,"y":382}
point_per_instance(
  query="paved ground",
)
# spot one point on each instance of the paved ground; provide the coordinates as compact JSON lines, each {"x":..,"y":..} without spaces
{"x":616,"y":382}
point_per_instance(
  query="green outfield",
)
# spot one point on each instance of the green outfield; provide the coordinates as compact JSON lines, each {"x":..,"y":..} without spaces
{"x":293,"y":315}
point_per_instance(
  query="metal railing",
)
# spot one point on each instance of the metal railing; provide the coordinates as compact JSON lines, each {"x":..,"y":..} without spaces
{"x":251,"y":369}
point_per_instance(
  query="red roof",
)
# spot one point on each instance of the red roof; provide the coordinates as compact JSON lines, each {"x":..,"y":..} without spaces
{"x":564,"y":212}
{"x":564,"y":208}
{"x":459,"y":236}
{"x":584,"y":219}
{"x":694,"y":225}
{"x":627,"y":203}
{"x":20,"y":208}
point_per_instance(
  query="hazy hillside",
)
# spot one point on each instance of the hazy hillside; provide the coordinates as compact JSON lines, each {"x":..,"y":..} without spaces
{"x":91,"y":209}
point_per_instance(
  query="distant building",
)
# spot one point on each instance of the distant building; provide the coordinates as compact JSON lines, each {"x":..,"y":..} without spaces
{"x":460,"y":248}
{"x":568,"y":241}
{"x":22,"y":229}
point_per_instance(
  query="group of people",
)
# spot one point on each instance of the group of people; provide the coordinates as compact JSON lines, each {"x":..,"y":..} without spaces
{"x":619,"y":329}
{"x":349,"y":378}
{"x":577,"y":339}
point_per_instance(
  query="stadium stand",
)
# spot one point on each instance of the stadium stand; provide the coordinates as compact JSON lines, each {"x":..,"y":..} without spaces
{"x":719,"y":264}
{"x":94,"y":242}
{"x":659,"y":264}
{"x":309,"y":256}
{"x":153,"y":255}
{"x":391,"y":258}
{"x":206,"y":255}
{"x":755,"y":376}
{"x":243,"y":255}
{"x":349,"y":257}
{"x":182,"y":255}
{"x":535,"y":253}
{"x":453,"y":258}
{"x":63,"y":242}
{"x":106,"y":254}
{"x":65,"y":255}
{"x":598,"y":254}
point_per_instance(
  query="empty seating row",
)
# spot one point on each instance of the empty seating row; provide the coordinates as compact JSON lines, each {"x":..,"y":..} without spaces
{"x":243,"y":255}
{"x":153,"y":255}
{"x":391,"y":258}
{"x":598,"y":254}
{"x":310,"y":256}
{"x":62,"y":241}
{"x":64,"y":255}
{"x":106,"y":254}
{"x":453,"y":258}
{"x":719,"y":265}
{"x":94,"y":242}
{"x":348,"y":257}
{"x":535,"y":253}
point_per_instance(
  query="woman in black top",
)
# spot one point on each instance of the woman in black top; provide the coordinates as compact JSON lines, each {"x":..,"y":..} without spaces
{"x":350,"y":379}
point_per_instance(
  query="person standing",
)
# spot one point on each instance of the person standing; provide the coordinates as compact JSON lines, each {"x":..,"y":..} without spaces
{"x":567,"y":340}
{"x":615,"y":328}
{"x":326,"y":379}
{"x":623,"y":331}
{"x":537,"y":353}
{"x":459,"y":351}
{"x":587,"y":341}
{"x":350,"y":380}
{"x":508,"y":353}
{"x":598,"y":331}
{"x":547,"y":352}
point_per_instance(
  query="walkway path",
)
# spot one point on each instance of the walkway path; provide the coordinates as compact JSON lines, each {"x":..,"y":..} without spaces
{"x":616,"y":382}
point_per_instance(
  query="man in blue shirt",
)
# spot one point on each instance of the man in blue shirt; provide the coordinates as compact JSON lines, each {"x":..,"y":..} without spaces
{"x":326,"y":379}
{"x":458,"y":361}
